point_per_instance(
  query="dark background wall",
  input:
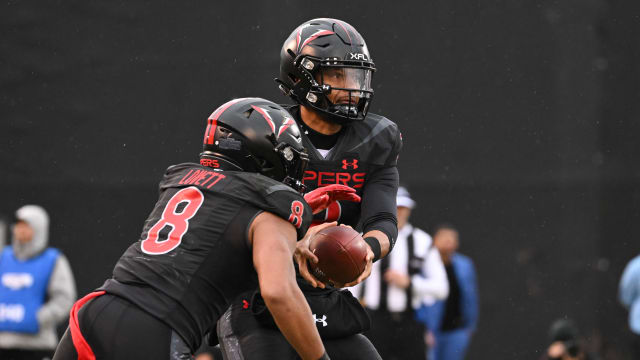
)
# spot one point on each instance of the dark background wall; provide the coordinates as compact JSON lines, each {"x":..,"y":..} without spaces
{"x":520,"y":121}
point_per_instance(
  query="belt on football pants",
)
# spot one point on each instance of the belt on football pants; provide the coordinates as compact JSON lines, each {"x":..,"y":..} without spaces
{"x":79,"y":342}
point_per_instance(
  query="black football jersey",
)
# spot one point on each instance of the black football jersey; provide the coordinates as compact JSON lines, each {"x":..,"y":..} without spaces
{"x":363,"y":149}
{"x":364,"y":157}
{"x":193,"y":256}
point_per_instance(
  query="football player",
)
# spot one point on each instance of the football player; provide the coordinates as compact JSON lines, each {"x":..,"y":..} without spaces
{"x":218,"y":228}
{"x":326,"y":68}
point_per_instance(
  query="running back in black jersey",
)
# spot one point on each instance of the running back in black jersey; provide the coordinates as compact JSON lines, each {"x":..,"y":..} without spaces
{"x":364,"y":148}
{"x":194,"y":256}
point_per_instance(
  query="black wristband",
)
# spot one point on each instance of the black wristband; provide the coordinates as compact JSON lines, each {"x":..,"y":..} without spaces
{"x":375,"y":247}
{"x":325,"y":356}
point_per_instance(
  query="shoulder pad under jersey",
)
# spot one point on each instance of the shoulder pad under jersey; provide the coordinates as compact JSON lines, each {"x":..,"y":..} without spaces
{"x":377,"y":137}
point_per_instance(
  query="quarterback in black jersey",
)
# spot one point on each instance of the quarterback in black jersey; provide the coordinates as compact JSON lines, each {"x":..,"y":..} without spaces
{"x":325,"y":67}
{"x":221,"y":227}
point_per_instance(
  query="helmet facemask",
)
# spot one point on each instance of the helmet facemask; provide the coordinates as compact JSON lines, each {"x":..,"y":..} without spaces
{"x":295,"y":162}
{"x":354,"y":86}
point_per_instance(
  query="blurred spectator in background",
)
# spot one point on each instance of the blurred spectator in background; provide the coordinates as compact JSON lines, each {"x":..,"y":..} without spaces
{"x":565,"y":343}
{"x":37,"y":289}
{"x":397,"y":285}
{"x":629,"y":295}
{"x":451,"y":323}
{"x":4,"y":231}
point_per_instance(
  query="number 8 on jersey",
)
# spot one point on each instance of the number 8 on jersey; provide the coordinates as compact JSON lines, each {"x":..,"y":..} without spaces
{"x":179,"y":222}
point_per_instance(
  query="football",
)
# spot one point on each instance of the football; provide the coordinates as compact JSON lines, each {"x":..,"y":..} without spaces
{"x":341,"y":253}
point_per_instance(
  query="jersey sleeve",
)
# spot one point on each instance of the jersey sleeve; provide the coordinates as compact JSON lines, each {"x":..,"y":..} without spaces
{"x":291,"y":206}
{"x":379,"y":196}
{"x":379,"y":203}
{"x":278,"y":199}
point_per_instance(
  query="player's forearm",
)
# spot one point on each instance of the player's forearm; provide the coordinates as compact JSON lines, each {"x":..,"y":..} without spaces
{"x":379,"y":207}
{"x":293,"y":316}
{"x":274,"y":242}
{"x":382,"y":238}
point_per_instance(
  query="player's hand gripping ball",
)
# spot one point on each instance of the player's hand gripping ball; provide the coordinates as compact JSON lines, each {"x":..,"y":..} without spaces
{"x":341,"y":253}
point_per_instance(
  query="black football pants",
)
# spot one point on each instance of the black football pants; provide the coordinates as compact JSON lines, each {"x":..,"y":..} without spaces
{"x":119,"y":330}
{"x":249,"y":340}
{"x":397,"y":336}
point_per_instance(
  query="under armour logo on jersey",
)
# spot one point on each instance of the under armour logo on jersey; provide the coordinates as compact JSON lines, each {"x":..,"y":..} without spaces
{"x":322,"y":320}
{"x":350,"y":165}
{"x":245,"y":304}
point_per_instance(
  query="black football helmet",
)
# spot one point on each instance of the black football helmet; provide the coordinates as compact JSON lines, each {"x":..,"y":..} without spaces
{"x":317,"y":47}
{"x":255,"y":135}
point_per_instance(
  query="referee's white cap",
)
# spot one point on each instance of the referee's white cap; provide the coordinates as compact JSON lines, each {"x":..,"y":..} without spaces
{"x":403,"y":199}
